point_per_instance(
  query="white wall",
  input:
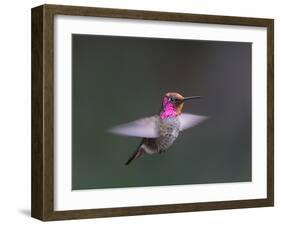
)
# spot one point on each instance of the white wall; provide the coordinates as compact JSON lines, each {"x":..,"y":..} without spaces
{"x":15,"y":112}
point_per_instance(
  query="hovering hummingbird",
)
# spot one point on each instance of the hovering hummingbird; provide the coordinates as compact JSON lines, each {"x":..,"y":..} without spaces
{"x":159,"y":132}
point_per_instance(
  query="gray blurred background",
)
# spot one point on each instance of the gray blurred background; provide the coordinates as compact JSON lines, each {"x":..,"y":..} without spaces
{"x":120,"y":79}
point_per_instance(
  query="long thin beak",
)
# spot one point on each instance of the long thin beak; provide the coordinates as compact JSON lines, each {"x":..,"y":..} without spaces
{"x":189,"y":98}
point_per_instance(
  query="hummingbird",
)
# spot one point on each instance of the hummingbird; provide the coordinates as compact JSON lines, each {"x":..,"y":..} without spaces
{"x":158,"y":132}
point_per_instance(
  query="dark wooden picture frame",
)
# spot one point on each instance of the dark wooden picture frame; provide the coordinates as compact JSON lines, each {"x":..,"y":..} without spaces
{"x":42,"y":203}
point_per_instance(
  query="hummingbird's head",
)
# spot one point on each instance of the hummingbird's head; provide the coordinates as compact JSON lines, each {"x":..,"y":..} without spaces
{"x":172,"y":104}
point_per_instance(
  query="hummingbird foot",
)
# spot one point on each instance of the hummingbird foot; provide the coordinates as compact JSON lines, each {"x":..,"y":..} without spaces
{"x":161,"y":151}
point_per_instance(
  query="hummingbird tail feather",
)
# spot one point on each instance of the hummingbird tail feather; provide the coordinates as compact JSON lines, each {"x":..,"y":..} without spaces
{"x":135,"y":155}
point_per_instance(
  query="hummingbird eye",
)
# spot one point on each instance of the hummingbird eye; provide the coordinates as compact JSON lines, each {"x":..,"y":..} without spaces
{"x":171,"y":99}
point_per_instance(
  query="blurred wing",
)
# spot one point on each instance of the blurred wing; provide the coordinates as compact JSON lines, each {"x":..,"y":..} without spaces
{"x":189,"y":120}
{"x":145,"y":127}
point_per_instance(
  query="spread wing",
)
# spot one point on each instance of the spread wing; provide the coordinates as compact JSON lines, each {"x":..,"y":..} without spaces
{"x":189,"y":120}
{"x":145,"y":127}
